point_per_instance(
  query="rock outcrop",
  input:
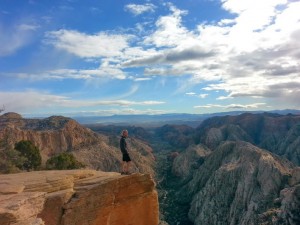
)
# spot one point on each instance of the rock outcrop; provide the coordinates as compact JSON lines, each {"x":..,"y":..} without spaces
{"x":240,"y":184}
{"x":279,"y":134}
{"x":58,"y":134}
{"x":77,"y":197}
{"x":189,"y":160}
{"x":179,"y":136}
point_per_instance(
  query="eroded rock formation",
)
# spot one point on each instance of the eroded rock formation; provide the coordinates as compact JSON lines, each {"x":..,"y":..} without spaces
{"x":77,"y":197}
{"x":58,"y":134}
{"x":241,"y":184}
{"x":279,"y":134}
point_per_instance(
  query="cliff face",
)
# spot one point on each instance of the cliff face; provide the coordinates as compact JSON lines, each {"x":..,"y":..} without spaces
{"x":83,"y":197}
{"x":58,"y":134}
{"x":276,"y":133}
{"x":240,"y":184}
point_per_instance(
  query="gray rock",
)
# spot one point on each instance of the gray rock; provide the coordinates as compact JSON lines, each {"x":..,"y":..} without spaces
{"x":235,"y":185}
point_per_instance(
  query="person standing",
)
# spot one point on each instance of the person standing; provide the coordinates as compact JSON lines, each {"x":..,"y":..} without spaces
{"x":126,"y":161}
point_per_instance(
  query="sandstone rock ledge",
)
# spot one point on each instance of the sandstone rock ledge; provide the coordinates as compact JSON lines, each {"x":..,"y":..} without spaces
{"x":77,"y":197}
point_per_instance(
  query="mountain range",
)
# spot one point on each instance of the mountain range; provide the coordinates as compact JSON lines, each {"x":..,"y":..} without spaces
{"x":238,"y":169}
{"x":192,"y":120}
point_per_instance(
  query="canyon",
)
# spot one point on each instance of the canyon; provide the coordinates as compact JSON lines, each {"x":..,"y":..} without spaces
{"x":238,"y":170}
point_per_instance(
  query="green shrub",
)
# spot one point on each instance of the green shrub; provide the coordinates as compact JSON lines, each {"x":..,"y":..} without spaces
{"x":31,"y":153}
{"x":63,"y":161}
{"x":10,"y":160}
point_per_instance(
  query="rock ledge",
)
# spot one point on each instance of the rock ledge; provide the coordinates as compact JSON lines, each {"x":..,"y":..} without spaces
{"x":77,"y":197}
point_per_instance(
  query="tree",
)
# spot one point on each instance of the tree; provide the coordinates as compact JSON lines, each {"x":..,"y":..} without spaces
{"x":63,"y":161}
{"x":31,"y":153}
{"x":10,"y":159}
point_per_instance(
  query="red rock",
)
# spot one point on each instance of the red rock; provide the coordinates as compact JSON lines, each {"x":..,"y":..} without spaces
{"x":78,"y":197}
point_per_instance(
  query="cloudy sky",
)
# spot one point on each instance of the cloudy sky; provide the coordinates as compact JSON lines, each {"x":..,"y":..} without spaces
{"x":97,"y":57}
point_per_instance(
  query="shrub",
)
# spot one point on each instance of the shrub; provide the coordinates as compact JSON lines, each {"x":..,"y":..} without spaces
{"x":31,"y":153}
{"x":63,"y":161}
{"x":10,"y":161}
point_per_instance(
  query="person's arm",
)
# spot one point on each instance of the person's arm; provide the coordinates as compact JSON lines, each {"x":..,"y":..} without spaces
{"x":123,"y":146}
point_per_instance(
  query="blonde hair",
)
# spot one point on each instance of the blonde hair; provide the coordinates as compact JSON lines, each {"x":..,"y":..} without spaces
{"x":123,"y":132}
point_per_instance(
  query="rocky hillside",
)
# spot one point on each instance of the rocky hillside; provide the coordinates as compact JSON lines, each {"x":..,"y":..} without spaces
{"x":246,"y":182}
{"x":178,"y":136}
{"x":236,"y":173}
{"x":240,"y":184}
{"x":84,"y":197}
{"x":58,"y":134}
{"x":171,"y":137}
{"x":276,"y":133}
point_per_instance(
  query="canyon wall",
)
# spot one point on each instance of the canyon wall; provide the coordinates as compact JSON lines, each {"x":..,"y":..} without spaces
{"x":240,"y":184}
{"x":279,"y":134}
{"x":58,"y":134}
{"x":78,"y":197}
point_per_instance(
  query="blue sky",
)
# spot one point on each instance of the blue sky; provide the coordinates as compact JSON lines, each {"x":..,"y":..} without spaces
{"x":96,"y":57}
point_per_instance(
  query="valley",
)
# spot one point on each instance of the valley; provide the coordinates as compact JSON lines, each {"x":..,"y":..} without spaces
{"x":228,"y":170}
{"x":238,"y":169}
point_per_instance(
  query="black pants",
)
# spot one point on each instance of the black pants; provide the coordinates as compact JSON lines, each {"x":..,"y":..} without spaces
{"x":126,"y":157}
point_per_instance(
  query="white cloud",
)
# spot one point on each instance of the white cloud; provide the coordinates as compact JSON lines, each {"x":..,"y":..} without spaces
{"x":142,"y":79}
{"x":249,"y":55}
{"x":88,"y":46}
{"x":169,"y":32}
{"x":15,"y":101}
{"x":191,"y":93}
{"x":253,"y":54}
{"x":103,"y":72}
{"x":15,"y":37}
{"x":115,"y":111}
{"x":237,"y":6}
{"x":283,"y":88}
{"x":194,"y":94}
{"x":140,"y":9}
{"x":203,"y":95}
{"x":28,"y":27}
{"x":131,"y":111}
{"x":232,"y":106}
{"x":132,"y":90}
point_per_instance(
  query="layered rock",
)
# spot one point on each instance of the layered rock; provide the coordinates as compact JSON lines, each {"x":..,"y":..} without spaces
{"x":276,"y":133}
{"x":240,"y":184}
{"x":77,"y":197}
{"x":51,"y":135}
{"x":58,"y":134}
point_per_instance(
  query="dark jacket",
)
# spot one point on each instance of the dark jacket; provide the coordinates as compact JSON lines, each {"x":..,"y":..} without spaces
{"x":123,"y":145}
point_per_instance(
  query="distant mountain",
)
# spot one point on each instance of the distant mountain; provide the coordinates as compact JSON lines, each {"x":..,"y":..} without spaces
{"x":192,"y":120}
{"x":178,"y":136}
{"x":274,"y":132}
{"x":170,"y":136}
{"x":143,"y":120}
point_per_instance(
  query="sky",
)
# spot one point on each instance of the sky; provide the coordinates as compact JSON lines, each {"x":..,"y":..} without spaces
{"x":100,"y":57}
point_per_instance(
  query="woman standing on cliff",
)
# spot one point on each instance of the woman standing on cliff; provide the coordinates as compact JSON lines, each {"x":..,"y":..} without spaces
{"x":126,"y":164}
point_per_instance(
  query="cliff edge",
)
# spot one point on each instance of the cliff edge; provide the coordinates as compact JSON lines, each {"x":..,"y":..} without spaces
{"x":77,"y":197}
